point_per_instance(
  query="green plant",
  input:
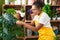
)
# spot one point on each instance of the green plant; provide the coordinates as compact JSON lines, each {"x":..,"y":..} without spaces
{"x":8,"y":27}
{"x":54,"y":11}
{"x":8,"y":22}
{"x":47,"y":10}
{"x":12,"y":0}
{"x":56,"y":38}
{"x":22,"y":10}
{"x":11,"y":11}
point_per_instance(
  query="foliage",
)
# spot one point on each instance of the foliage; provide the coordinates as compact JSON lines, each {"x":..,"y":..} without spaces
{"x":58,"y":15}
{"x":11,"y":11}
{"x":56,"y":38}
{"x":22,"y":10}
{"x":18,"y":31}
{"x":8,"y":27}
{"x":47,"y":10}
{"x":12,"y":0}
{"x":54,"y":11}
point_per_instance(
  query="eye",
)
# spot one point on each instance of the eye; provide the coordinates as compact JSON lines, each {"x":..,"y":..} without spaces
{"x":34,"y":9}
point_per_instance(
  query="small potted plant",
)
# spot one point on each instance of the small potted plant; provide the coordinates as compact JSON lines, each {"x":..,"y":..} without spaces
{"x":22,"y":12}
{"x":12,"y":2}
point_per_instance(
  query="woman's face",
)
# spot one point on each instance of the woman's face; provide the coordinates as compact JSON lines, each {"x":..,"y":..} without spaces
{"x":36,"y":10}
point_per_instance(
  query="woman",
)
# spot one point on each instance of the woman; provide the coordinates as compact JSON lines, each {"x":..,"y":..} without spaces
{"x":41,"y":21}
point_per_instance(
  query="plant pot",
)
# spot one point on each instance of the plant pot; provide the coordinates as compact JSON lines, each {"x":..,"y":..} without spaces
{"x":54,"y":18}
{"x":22,"y":14}
{"x":58,"y":18}
{"x":17,"y":15}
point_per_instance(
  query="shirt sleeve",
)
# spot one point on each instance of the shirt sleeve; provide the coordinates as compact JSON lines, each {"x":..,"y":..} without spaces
{"x":44,"y":19}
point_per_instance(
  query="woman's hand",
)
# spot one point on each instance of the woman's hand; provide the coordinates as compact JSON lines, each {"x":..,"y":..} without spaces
{"x":19,"y":22}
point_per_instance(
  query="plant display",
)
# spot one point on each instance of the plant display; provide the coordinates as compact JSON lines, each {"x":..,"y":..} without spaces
{"x":9,"y":28}
{"x":8,"y":22}
{"x":47,"y":10}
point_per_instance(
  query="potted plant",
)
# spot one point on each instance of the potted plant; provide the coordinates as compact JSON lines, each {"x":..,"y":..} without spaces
{"x":22,"y":12}
{"x":12,"y":2}
{"x":9,"y":29}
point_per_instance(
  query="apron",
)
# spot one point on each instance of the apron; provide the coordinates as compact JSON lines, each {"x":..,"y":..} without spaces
{"x":44,"y":32}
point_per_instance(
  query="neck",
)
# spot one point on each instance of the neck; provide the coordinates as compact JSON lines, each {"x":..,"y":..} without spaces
{"x":39,"y":13}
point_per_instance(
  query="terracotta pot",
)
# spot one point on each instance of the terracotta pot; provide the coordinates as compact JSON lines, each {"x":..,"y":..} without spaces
{"x":17,"y":15}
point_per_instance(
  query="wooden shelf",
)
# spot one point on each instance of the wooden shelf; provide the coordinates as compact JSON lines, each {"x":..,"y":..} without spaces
{"x":27,"y":21}
{"x":31,"y":37}
{"x":11,"y":5}
{"x":17,"y":7}
{"x":55,"y":20}
{"x":19,"y":37}
{"x":55,"y":5}
{"x":28,"y":5}
{"x":28,"y":37}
